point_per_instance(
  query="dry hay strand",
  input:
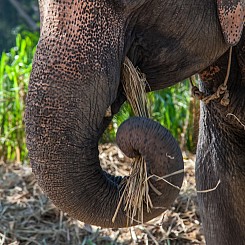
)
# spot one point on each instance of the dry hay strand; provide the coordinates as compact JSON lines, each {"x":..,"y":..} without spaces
{"x":136,"y":193}
{"x":134,"y":84}
{"x":239,"y":121}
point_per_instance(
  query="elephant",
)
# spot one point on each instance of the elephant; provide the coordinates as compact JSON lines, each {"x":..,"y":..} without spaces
{"x":220,"y":152}
{"x":76,"y":77}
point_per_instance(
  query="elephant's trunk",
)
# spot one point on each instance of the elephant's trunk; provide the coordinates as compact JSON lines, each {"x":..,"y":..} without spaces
{"x":63,"y":126}
{"x":71,"y":87}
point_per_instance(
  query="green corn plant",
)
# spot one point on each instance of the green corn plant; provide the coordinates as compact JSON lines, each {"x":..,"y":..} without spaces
{"x":15,"y":68}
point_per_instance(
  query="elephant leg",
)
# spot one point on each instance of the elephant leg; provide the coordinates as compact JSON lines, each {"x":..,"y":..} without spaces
{"x":222,"y":209}
{"x":220,"y":153}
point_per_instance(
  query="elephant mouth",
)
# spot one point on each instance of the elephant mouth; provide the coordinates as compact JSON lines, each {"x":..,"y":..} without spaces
{"x":120,"y":99}
{"x":112,"y":110}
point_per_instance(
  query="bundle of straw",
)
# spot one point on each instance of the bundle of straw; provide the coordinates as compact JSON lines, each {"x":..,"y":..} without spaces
{"x":136,"y":192}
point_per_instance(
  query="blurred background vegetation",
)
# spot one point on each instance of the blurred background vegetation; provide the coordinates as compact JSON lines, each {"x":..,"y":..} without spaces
{"x":19,"y":27}
{"x":17,"y":16}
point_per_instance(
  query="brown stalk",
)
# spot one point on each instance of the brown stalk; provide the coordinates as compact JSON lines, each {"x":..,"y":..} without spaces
{"x":136,"y":192}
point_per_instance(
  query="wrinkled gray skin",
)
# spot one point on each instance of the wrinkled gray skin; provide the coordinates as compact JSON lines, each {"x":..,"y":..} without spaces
{"x":76,"y":77}
{"x":221,"y":154}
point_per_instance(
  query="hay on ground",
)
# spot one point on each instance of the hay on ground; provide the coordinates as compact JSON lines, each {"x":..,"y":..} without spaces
{"x":27,"y":216}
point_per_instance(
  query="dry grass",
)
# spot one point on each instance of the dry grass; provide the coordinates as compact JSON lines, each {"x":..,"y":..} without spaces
{"x":27,"y":216}
{"x":136,"y":192}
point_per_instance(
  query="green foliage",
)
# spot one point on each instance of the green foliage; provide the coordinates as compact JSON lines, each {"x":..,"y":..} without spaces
{"x":175,"y":109}
{"x":15,"y":68}
{"x":172,"y":107}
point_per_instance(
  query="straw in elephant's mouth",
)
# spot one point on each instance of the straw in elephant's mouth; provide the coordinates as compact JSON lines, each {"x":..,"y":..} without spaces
{"x":136,"y":192}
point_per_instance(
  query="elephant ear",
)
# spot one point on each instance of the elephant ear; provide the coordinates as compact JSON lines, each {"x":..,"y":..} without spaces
{"x":231,"y":15}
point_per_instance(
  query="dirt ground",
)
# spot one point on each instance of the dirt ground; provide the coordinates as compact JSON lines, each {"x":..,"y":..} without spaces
{"x":27,"y":216}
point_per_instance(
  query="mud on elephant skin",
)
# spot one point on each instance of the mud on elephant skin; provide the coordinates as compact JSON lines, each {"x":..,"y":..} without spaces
{"x":76,"y":77}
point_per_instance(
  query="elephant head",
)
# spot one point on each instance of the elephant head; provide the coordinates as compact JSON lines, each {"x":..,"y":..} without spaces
{"x":76,"y":78}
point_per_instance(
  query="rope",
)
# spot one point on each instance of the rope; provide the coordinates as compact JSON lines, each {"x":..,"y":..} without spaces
{"x":222,"y":89}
